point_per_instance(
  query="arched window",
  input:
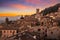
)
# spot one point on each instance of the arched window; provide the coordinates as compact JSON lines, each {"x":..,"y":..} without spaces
{"x":42,"y":23}
{"x":39,"y":29}
{"x":4,"y":31}
{"x":51,"y":32}
{"x":0,"y":33}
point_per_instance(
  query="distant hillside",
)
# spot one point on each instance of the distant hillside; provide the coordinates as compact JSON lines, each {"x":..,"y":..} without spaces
{"x":50,"y":9}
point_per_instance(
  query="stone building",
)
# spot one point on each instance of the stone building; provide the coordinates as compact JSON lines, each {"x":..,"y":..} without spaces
{"x":7,"y":32}
{"x":53,"y":33}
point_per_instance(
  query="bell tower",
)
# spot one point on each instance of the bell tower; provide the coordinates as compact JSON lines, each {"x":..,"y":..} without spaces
{"x":37,"y":10}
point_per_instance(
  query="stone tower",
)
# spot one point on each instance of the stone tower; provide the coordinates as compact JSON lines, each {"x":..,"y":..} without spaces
{"x":37,"y":10}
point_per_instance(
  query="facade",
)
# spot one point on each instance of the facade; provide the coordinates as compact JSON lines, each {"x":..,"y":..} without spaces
{"x":7,"y":32}
{"x":53,"y":33}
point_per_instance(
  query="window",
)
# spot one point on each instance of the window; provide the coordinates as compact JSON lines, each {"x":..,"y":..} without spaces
{"x":39,"y":29}
{"x":51,"y":32}
{"x":10,"y":31}
{"x":0,"y":33}
{"x":38,"y":23}
{"x":4,"y":31}
{"x":42,"y":24}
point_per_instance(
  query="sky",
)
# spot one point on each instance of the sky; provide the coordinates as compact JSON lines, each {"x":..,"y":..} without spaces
{"x":23,"y":7}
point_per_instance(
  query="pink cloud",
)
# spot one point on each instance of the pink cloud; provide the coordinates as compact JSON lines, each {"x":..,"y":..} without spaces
{"x":39,"y":2}
{"x":20,"y":6}
{"x":33,"y":1}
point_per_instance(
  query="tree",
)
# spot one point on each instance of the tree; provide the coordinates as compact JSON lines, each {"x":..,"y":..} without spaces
{"x":7,"y":20}
{"x":21,"y":17}
{"x":51,"y":9}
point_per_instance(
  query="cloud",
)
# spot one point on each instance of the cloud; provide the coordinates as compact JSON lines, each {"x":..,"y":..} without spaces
{"x":20,"y":6}
{"x":33,"y":1}
{"x":42,"y":2}
{"x":27,"y":4}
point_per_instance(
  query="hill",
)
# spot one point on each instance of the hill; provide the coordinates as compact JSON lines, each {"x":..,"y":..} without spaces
{"x":51,"y":9}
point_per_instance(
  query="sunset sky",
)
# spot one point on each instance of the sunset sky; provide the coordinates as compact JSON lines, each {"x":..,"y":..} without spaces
{"x":23,"y":7}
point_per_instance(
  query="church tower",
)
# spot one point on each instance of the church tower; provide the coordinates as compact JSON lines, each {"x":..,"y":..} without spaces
{"x":37,"y":10}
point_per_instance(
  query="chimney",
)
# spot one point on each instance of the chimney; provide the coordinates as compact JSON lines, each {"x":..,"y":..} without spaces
{"x":37,"y":10}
